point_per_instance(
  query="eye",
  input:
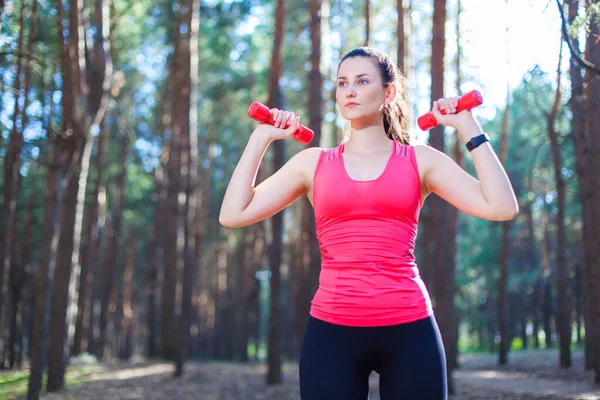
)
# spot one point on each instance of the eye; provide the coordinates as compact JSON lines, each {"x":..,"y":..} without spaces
{"x":342,"y":83}
{"x":363,"y":81}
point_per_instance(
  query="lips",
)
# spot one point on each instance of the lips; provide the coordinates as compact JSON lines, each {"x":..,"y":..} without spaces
{"x":351,"y":104}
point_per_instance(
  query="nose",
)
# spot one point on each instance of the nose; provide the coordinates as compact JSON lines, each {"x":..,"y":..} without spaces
{"x":350,"y":92}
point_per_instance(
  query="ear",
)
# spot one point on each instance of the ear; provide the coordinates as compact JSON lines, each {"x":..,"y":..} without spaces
{"x":390,"y":94}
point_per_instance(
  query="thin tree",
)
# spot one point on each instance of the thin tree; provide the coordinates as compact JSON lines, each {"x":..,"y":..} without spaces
{"x":99,"y":69}
{"x":437,"y":224}
{"x":502,"y":307}
{"x":12,"y":162}
{"x":367,"y":22}
{"x":40,"y":282}
{"x":190,"y":157}
{"x":310,"y":258}
{"x":592,"y":108}
{"x":401,"y":36}
{"x":563,"y":322}
{"x":72,"y":61}
{"x":276,"y":247}
{"x":582,"y":163}
{"x":453,"y":214}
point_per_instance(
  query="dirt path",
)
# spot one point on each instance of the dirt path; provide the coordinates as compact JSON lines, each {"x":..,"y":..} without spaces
{"x":521,"y":384}
{"x":527,"y":376}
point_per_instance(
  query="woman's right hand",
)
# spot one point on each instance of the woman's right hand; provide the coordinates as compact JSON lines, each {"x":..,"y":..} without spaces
{"x":277,"y":131}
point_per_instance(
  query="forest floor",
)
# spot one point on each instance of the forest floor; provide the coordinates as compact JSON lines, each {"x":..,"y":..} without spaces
{"x":528,"y":375}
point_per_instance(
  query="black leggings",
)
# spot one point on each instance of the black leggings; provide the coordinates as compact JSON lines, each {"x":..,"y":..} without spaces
{"x":336,"y":361}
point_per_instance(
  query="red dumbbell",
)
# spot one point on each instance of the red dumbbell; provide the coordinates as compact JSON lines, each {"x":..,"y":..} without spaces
{"x":262,"y":113}
{"x":466,"y":102}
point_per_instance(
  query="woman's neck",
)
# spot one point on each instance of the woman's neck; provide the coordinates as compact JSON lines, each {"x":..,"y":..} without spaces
{"x":367,"y":139}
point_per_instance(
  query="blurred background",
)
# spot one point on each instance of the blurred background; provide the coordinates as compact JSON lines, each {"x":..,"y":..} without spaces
{"x":121,"y":122}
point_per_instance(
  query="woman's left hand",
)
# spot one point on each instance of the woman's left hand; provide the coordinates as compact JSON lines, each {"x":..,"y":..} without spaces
{"x":455,"y":120}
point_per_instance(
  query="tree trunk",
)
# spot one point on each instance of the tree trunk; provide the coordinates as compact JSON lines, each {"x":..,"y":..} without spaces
{"x":70,"y":152}
{"x":592,"y":104}
{"x":503,"y":307}
{"x":154,"y":260}
{"x":453,"y":219}
{"x":310,"y":260}
{"x":99,"y":71}
{"x":12,"y":162}
{"x":40,"y":280}
{"x":172,"y":258}
{"x":124,"y":330}
{"x":401,"y":37}
{"x":276,"y":247}
{"x":563,"y":323}
{"x":190,"y":157}
{"x":118,"y":268}
{"x":367,"y":23}
{"x":438,"y":208}
{"x":582,"y":162}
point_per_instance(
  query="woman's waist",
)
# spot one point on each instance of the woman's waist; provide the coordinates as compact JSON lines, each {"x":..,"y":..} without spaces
{"x":371,"y":295}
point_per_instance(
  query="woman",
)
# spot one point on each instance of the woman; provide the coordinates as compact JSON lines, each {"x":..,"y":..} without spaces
{"x":372,"y":311}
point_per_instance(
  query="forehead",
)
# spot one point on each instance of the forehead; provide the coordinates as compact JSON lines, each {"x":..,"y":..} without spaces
{"x":357,"y":65}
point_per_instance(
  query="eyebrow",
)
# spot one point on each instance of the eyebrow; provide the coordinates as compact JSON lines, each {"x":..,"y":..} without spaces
{"x":358,"y":76}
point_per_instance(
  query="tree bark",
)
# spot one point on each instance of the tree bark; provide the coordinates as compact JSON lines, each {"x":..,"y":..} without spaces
{"x":401,"y":37}
{"x":41,"y":284}
{"x":438,"y":223}
{"x":582,"y":163}
{"x":172,"y":258}
{"x":69,"y":155}
{"x":99,"y":72}
{"x":563,"y":322}
{"x":367,"y":23}
{"x":276,"y":247}
{"x":592,"y":105}
{"x":190,"y":158}
{"x":310,"y":260}
{"x":12,"y":161}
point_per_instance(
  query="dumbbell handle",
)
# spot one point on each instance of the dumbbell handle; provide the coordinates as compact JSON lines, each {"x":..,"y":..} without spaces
{"x":262,"y":113}
{"x":466,"y":102}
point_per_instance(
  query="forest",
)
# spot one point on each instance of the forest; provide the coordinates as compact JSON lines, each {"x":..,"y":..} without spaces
{"x":121,"y":122}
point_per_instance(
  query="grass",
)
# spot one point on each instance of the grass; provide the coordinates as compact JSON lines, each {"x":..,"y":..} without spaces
{"x":15,"y":383}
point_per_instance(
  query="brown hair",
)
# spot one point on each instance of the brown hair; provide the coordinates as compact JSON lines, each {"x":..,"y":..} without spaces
{"x":395,"y":115}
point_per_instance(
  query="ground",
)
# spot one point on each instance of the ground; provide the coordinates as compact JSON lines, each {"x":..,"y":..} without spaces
{"x":528,"y":375}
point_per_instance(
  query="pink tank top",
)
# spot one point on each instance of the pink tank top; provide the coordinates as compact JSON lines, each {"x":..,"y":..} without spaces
{"x":366,"y":232}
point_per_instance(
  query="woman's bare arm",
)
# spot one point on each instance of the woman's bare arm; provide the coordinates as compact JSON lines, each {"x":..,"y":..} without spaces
{"x":491,"y":196}
{"x":245,"y":204}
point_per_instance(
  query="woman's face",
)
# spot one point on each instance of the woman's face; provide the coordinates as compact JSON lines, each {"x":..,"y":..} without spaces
{"x":359,"y":90}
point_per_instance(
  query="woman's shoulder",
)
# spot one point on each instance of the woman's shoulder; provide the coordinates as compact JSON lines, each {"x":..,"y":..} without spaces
{"x":307,"y":159}
{"x":426,"y":157}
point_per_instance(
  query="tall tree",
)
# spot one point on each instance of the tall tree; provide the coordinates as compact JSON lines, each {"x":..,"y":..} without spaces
{"x":310,"y":259}
{"x":582,"y":163}
{"x":437,"y":223}
{"x":173,"y":262}
{"x":72,"y":61}
{"x":12,"y":161}
{"x":401,"y":36}
{"x":562,"y":302}
{"x":592,"y":107}
{"x":367,"y":23}
{"x":502,"y":307}
{"x":191,"y":159}
{"x":276,"y":247}
{"x":453,"y":212}
{"x":40,"y":276}
{"x":99,"y":74}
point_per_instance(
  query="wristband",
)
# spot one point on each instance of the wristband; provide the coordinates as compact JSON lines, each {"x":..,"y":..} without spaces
{"x":477,"y":141}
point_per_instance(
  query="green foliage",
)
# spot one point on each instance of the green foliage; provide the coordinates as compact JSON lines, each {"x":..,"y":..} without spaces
{"x":15,"y":383}
{"x":583,"y":21}
{"x":529,"y":166}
